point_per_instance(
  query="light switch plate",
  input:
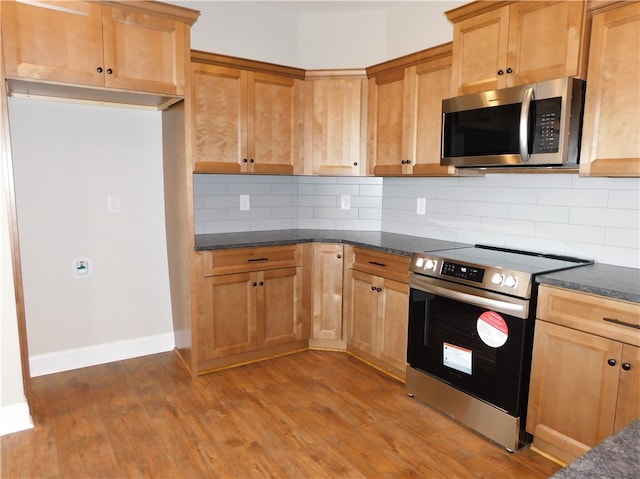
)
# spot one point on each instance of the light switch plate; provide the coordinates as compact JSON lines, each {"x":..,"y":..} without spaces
{"x":345,"y":202}
{"x":245,"y":203}
{"x":421,"y":207}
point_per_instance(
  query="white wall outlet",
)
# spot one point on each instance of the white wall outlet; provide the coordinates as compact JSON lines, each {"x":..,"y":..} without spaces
{"x":421,"y":207}
{"x":345,"y":202}
{"x":113,"y":203}
{"x":82,"y":267}
{"x":245,"y":203}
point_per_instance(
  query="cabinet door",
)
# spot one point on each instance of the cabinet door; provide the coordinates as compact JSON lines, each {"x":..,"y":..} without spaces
{"x":53,"y":41}
{"x":611,"y":134}
{"x":274,"y":124}
{"x":387,"y":154}
{"x":229,"y":319}
{"x":363,"y":309}
{"x":280,"y":315}
{"x":393,"y":316}
{"x":143,"y":52}
{"x":480,"y":52}
{"x":327,"y":291}
{"x":334,"y":127}
{"x":433,"y":84}
{"x":546,"y":41}
{"x":573,"y":389}
{"x":218,"y":106}
{"x":628,"y":406}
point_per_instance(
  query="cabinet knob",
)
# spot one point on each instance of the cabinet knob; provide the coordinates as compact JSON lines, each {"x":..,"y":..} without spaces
{"x":261,"y":283}
{"x":355,"y":163}
{"x":373,"y":288}
{"x":339,"y":256}
{"x":500,"y":72}
{"x":99,"y":69}
{"x":509,"y":70}
{"x":626,"y":366}
{"x":109,"y":71}
{"x":254,"y":284}
{"x":251,"y":160}
{"x":611,"y":362}
{"x":244,"y":160}
{"x":378,"y":289}
{"x":403,"y":162}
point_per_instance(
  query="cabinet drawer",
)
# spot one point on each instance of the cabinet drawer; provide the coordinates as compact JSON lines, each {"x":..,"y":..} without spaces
{"x":610,"y":318}
{"x":250,"y":259}
{"x":386,"y":265}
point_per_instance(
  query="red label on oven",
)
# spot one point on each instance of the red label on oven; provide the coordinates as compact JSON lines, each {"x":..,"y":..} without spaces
{"x":492,"y":329}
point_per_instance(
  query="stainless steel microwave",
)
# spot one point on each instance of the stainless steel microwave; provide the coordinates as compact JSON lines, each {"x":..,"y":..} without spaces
{"x":529,"y":125}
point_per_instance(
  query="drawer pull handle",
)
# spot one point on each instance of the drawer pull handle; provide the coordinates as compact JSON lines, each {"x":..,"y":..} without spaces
{"x":377,"y":264}
{"x":626,"y":366}
{"x":621,"y":323}
{"x":253,"y":260}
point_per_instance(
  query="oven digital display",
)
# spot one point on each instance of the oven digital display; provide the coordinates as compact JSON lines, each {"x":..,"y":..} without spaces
{"x":463,"y":271}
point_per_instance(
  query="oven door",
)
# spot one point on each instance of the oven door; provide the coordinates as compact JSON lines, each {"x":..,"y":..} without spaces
{"x":484,"y":351}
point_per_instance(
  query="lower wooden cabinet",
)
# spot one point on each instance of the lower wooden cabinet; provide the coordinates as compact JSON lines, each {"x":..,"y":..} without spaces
{"x":377,"y":308}
{"x":585,"y":376}
{"x":252,"y":306}
{"x":326,"y":296}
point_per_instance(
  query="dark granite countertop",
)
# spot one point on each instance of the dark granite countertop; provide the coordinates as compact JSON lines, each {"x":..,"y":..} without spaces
{"x":617,"y":457}
{"x":614,"y":282}
{"x":394,"y":243}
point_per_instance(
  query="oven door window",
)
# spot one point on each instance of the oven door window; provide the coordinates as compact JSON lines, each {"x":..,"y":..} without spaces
{"x":478,"y":351}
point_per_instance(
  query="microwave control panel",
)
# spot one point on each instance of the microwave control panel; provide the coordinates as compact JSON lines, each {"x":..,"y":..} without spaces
{"x":547,"y":125}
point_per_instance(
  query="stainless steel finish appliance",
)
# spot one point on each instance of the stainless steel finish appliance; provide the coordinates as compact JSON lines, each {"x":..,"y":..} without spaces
{"x":470,"y":336}
{"x":536,"y":124}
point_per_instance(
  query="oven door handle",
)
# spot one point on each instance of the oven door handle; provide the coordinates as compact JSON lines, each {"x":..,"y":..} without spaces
{"x":487,"y":303}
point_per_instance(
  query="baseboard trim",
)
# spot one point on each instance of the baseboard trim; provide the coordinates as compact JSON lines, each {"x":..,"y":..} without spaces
{"x":49,"y":363}
{"x":15,"y":418}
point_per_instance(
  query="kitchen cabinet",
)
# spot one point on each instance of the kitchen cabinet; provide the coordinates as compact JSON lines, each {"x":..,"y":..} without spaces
{"x":503,"y":44}
{"x":405,"y":114}
{"x":335,"y":122}
{"x":327,"y":325}
{"x":611,"y":132}
{"x":252,"y":306}
{"x":107,"y":45}
{"x":247,"y":116}
{"x":377,"y":308}
{"x":585,"y":375}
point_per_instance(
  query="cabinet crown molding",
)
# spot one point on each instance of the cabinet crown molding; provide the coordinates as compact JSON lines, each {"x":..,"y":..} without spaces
{"x":474,"y":8}
{"x":439,"y":51}
{"x":183,"y":14}
{"x":200,"y":56}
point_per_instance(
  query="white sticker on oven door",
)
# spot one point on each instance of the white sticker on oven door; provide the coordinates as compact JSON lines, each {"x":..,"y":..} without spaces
{"x":456,"y":357}
{"x":492,"y":329}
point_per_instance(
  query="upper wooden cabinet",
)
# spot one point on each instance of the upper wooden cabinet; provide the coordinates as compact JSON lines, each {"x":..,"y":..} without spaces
{"x":335,"y":122}
{"x":247,"y":116}
{"x":502,"y":44}
{"x":405,"y":114}
{"x":121,"y":46}
{"x":611,"y":132}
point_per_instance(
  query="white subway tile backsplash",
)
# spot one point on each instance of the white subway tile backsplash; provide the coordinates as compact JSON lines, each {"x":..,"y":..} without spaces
{"x":558,"y":213}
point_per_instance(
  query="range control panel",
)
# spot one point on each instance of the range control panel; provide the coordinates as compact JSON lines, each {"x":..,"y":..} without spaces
{"x":515,"y":283}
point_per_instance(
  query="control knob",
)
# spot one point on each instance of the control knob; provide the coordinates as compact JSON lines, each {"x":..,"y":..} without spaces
{"x":429,"y":264}
{"x":497,"y":278}
{"x":510,"y":282}
{"x":420,"y":262}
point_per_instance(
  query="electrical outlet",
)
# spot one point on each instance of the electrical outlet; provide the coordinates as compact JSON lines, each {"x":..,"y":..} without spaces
{"x":421,"y":207}
{"x":113,"y":204}
{"x":245,"y":203}
{"x":345,"y":202}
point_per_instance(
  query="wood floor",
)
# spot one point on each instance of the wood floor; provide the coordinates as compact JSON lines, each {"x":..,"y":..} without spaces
{"x":313,"y":414}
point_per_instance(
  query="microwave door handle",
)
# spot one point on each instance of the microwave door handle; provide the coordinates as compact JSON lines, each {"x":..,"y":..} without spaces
{"x":527,"y":98}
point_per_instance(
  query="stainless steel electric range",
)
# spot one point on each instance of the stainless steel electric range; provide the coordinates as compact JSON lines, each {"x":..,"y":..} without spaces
{"x":471,"y":325}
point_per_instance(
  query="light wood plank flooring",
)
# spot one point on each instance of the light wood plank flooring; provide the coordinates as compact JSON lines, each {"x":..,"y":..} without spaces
{"x":313,"y":414}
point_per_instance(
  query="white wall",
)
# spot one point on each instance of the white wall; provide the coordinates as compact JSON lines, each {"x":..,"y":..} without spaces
{"x":68,"y":158}
{"x":320,"y":34}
